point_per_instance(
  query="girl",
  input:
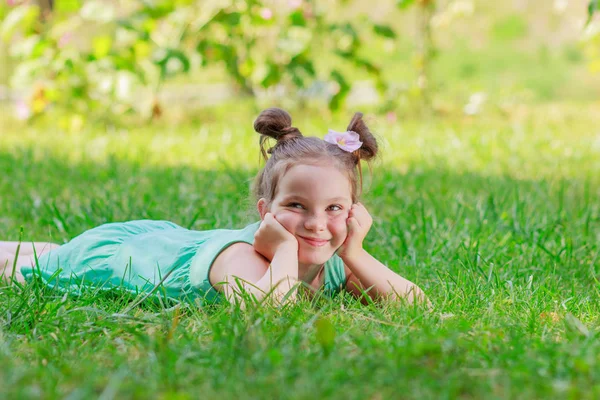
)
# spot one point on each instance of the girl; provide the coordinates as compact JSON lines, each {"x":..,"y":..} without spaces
{"x":311,"y":231}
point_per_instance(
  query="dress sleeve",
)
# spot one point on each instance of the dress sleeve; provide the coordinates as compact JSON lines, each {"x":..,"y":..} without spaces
{"x":207,"y":254}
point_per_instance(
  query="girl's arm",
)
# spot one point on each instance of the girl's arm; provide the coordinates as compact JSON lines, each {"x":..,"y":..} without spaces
{"x":243,"y":269}
{"x":366,"y":272}
{"x":370,"y":275}
{"x":240,"y":271}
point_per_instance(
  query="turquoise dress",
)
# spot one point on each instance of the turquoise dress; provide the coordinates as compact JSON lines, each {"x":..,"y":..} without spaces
{"x":137,"y":255}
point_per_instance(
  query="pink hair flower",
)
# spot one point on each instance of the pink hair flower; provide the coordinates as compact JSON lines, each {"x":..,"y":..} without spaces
{"x":348,"y":141}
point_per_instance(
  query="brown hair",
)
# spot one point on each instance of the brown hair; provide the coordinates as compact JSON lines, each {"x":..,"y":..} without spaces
{"x":293,"y":148}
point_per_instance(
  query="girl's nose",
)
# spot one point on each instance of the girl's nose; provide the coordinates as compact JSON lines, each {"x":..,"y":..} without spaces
{"x":315,"y":223}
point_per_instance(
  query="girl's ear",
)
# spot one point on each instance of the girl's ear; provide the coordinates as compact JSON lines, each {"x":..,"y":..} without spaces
{"x":261,"y":206}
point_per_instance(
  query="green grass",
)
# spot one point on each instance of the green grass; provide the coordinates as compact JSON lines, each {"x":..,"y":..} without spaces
{"x":496,"y":217}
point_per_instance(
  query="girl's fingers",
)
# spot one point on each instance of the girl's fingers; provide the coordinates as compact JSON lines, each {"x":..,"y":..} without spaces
{"x":359,"y":208}
{"x":360,"y":214}
{"x":361,"y":217}
{"x":353,"y":225}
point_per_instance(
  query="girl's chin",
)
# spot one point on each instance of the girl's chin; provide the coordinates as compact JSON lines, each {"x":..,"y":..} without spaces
{"x":314,"y":259}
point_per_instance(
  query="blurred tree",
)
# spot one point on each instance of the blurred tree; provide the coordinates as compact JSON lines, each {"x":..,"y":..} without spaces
{"x":593,"y":7}
{"x":46,"y":7}
{"x":93,"y":57}
{"x":426,"y":49}
{"x":591,"y":39}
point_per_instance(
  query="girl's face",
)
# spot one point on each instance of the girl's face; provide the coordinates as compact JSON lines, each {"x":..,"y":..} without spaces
{"x":312,"y":203}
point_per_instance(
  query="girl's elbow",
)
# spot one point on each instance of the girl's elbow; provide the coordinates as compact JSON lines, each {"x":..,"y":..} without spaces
{"x":412,"y":294}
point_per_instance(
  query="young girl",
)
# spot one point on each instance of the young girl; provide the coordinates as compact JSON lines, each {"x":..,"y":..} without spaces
{"x":311,"y":230}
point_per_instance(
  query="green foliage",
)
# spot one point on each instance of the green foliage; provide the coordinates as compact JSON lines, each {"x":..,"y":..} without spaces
{"x":385,"y":31}
{"x":95,"y":59}
{"x":593,"y":7}
{"x":404,"y":3}
{"x":591,"y":38}
{"x":21,"y":18}
{"x":509,"y":28}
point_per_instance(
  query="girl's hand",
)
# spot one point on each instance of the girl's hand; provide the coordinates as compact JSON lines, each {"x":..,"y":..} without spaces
{"x":359,"y":222}
{"x":272,"y":236}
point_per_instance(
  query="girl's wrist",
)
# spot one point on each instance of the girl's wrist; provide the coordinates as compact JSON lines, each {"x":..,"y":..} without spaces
{"x":353,"y":258}
{"x":288,"y":246}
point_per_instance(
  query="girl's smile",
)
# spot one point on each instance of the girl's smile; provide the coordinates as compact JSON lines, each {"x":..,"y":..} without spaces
{"x":314,"y":241}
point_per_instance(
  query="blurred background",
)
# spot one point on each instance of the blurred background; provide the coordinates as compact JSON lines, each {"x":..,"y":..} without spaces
{"x":75,"y":62}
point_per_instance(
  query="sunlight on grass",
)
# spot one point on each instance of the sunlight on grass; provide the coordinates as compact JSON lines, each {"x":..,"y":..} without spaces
{"x":535,"y":142}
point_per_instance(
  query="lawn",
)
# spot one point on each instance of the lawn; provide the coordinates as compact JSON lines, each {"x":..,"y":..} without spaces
{"x":496,"y":217}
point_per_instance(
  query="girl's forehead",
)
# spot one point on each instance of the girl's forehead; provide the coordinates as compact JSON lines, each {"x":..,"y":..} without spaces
{"x":308,"y":172}
{"x":315,"y":179}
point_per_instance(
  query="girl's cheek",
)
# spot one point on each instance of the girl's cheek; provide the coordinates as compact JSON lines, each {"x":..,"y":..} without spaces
{"x":339,"y":225}
{"x":287,"y":219}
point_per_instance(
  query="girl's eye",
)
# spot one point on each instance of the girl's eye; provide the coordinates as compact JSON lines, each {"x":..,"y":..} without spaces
{"x":335,"y":207}
{"x":295,"y":205}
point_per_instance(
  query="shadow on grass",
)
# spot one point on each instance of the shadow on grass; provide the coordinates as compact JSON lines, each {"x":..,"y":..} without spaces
{"x":442,"y":230}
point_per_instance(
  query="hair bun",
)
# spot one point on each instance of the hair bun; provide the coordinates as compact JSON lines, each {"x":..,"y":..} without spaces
{"x":276,"y":123}
{"x":369,"y":148}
